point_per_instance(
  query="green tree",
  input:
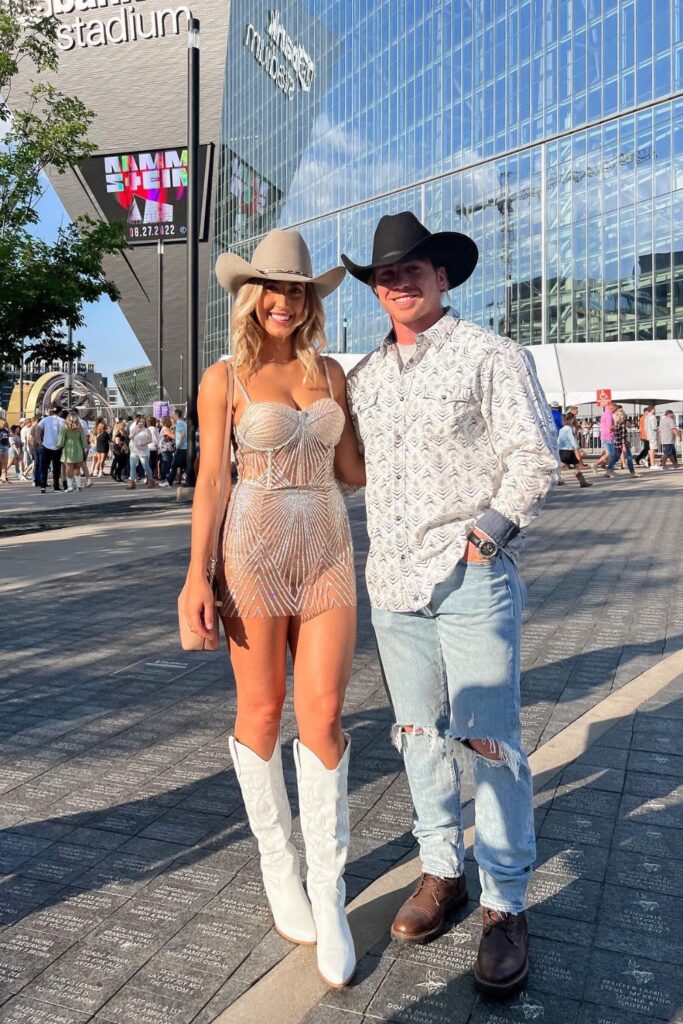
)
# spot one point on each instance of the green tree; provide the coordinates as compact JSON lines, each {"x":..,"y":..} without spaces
{"x":43,"y":286}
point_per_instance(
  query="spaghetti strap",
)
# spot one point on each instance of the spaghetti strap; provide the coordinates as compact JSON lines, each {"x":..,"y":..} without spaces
{"x":327,"y":374}
{"x":242,"y":388}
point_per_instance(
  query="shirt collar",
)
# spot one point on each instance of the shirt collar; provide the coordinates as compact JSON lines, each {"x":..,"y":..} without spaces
{"x":435,"y":335}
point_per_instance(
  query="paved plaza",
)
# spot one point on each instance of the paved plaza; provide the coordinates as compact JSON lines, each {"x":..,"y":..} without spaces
{"x":129,"y":883}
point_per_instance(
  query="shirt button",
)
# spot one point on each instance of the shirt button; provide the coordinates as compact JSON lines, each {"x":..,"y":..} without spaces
{"x":400,"y":398}
{"x":403,"y":558}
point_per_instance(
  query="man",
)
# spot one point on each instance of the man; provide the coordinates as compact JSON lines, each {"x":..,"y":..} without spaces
{"x":180,"y":457}
{"x":651,"y":430}
{"x":668,"y":435}
{"x":460,"y":451}
{"x":36,"y":446}
{"x":610,"y":456}
{"x":645,"y":443}
{"x":50,"y":454}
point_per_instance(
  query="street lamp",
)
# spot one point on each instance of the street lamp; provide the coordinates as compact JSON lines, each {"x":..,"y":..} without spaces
{"x":345,"y":325}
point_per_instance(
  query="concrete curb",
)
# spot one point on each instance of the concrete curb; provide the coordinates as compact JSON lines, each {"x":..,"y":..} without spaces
{"x":371,"y":913}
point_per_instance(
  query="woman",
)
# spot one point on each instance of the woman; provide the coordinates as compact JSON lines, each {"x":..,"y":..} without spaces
{"x":286,"y":577}
{"x":16,"y":452}
{"x":166,"y":449}
{"x":153,"y":447}
{"x":4,"y":449}
{"x":72,"y":441}
{"x":621,"y":442}
{"x":570,"y":452}
{"x":139,"y":441}
{"x":102,"y":442}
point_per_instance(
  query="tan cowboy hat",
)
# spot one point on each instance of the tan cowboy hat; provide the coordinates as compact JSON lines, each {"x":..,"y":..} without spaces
{"x":281,"y":256}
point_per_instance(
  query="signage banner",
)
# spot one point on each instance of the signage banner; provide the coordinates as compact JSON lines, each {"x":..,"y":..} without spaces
{"x":603,"y":396}
{"x":253,"y":200}
{"x":146,"y":190}
{"x":160,"y":409}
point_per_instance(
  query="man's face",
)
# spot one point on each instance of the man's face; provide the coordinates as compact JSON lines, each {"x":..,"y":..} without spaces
{"x":410,"y":291}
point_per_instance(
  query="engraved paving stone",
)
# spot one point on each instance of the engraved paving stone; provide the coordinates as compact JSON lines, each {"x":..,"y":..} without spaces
{"x":660,"y":842}
{"x":636,"y":985}
{"x":577,"y":828}
{"x":642,"y":922}
{"x":587,"y":862}
{"x":418,"y":994}
{"x":526,"y":1006}
{"x":21,"y":1010}
{"x":564,"y":895}
{"x":645,"y":871}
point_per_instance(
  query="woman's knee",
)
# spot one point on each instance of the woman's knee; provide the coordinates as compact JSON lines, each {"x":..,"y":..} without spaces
{"x":319,"y":715}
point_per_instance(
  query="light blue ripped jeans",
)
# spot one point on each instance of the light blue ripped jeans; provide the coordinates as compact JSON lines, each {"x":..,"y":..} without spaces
{"x":452,"y":671}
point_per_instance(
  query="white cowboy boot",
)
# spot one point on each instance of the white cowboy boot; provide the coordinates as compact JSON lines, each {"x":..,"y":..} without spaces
{"x":324,"y":807}
{"x":270,"y":818}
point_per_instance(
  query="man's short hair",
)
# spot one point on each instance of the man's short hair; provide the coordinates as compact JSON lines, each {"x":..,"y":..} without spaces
{"x":669,"y":412}
{"x":177,"y":412}
{"x":55,"y":410}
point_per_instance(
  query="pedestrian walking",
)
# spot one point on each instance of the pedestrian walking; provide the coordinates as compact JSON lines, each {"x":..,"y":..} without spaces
{"x":72,"y":444}
{"x":50,"y":454}
{"x":651,"y":431}
{"x":609,"y":457}
{"x":570,"y":451}
{"x":644,"y":440}
{"x":460,"y":450}
{"x":621,"y":441}
{"x":153,"y":446}
{"x":285,"y":573}
{"x":179,"y":463}
{"x":120,"y":455}
{"x":5,"y":441}
{"x":139,"y":442}
{"x":102,"y":439}
{"x":166,"y":449}
{"x":16,"y":452}
{"x":36,"y":444}
{"x":668,"y":435}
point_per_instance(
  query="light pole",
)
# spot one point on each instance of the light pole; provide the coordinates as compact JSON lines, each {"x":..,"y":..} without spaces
{"x":160,"y":317}
{"x":21,"y":384}
{"x":182,"y":377}
{"x":345,"y":325}
{"x":192,"y":242}
{"x":70,"y":368}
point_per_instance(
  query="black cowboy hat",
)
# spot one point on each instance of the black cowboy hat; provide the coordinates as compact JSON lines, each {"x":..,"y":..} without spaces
{"x":401,"y":235}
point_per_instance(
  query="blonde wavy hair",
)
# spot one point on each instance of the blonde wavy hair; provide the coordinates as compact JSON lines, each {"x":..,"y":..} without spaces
{"x":72,"y":422}
{"x":308,"y":340}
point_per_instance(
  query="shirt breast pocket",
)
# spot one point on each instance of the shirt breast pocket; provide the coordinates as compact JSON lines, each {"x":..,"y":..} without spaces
{"x":366,"y":409}
{"x":442,"y":412}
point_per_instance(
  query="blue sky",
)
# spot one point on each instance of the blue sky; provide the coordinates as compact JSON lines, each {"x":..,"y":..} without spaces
{"x":109,"y":341}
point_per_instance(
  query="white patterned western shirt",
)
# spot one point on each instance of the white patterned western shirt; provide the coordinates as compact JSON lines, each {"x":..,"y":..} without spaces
{"x":460,"y":437}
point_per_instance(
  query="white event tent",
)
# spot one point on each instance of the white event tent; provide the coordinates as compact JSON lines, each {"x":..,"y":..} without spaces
{"x":635,"y":371}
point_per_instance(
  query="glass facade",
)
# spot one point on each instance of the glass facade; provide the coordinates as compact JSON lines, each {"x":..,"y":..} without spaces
{"x":552,"y":133}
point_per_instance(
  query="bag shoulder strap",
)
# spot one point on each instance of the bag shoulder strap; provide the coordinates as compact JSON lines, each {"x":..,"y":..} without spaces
{"x":224,"y":491}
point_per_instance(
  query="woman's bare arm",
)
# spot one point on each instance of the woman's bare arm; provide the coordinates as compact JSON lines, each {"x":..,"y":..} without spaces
{"x":349,"y":465}
{"x":212,"y":408}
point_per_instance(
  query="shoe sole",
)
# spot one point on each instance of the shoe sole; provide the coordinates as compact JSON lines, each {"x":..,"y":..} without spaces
{"x":433,"y":933}
{"x":510,"y":988}
{"x":295,"y":942}
{"x":337,"y":984}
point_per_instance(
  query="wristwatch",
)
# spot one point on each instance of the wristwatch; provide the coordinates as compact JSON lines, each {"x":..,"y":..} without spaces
{"x":487,"y":548}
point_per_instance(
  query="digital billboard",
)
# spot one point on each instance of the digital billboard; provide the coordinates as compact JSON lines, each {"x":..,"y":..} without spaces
{"x":146,"y":190}
{"x":252,"y":199}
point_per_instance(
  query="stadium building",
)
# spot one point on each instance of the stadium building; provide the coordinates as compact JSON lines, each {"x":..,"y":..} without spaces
{"x":551,"y":133}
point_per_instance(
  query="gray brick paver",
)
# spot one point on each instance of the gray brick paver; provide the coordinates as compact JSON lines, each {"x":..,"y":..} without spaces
{"x":121,"y":827}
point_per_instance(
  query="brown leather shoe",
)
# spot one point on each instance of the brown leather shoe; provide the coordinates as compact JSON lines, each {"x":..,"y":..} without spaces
{"x":423,"y":915}
{"x":503,"y":959}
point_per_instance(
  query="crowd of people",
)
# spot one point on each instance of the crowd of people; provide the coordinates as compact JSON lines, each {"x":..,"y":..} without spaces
{"x":612,"y":431}
{"x":60,"y":444}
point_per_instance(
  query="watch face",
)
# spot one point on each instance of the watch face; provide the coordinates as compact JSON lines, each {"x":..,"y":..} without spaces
{"x":488,"y":548}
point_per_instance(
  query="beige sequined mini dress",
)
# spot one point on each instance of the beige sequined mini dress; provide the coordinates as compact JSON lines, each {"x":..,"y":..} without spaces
{"x":286,"y":544}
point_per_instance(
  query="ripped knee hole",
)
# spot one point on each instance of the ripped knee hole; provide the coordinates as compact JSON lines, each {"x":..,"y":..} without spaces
{"x":487,"y":748}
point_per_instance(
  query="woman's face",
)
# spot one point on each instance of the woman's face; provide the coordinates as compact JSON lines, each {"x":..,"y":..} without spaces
{"x":280,"y":310}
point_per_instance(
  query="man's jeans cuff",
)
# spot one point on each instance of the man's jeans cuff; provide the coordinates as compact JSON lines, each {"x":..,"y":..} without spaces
{"x":497,"y":526}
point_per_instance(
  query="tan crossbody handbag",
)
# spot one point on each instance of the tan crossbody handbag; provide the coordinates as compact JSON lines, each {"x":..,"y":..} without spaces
{"x":190,"y":641}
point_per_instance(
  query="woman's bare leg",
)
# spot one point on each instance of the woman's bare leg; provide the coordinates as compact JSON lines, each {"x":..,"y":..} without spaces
{"x":258,"y":653}
{"x":322,"y":649}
